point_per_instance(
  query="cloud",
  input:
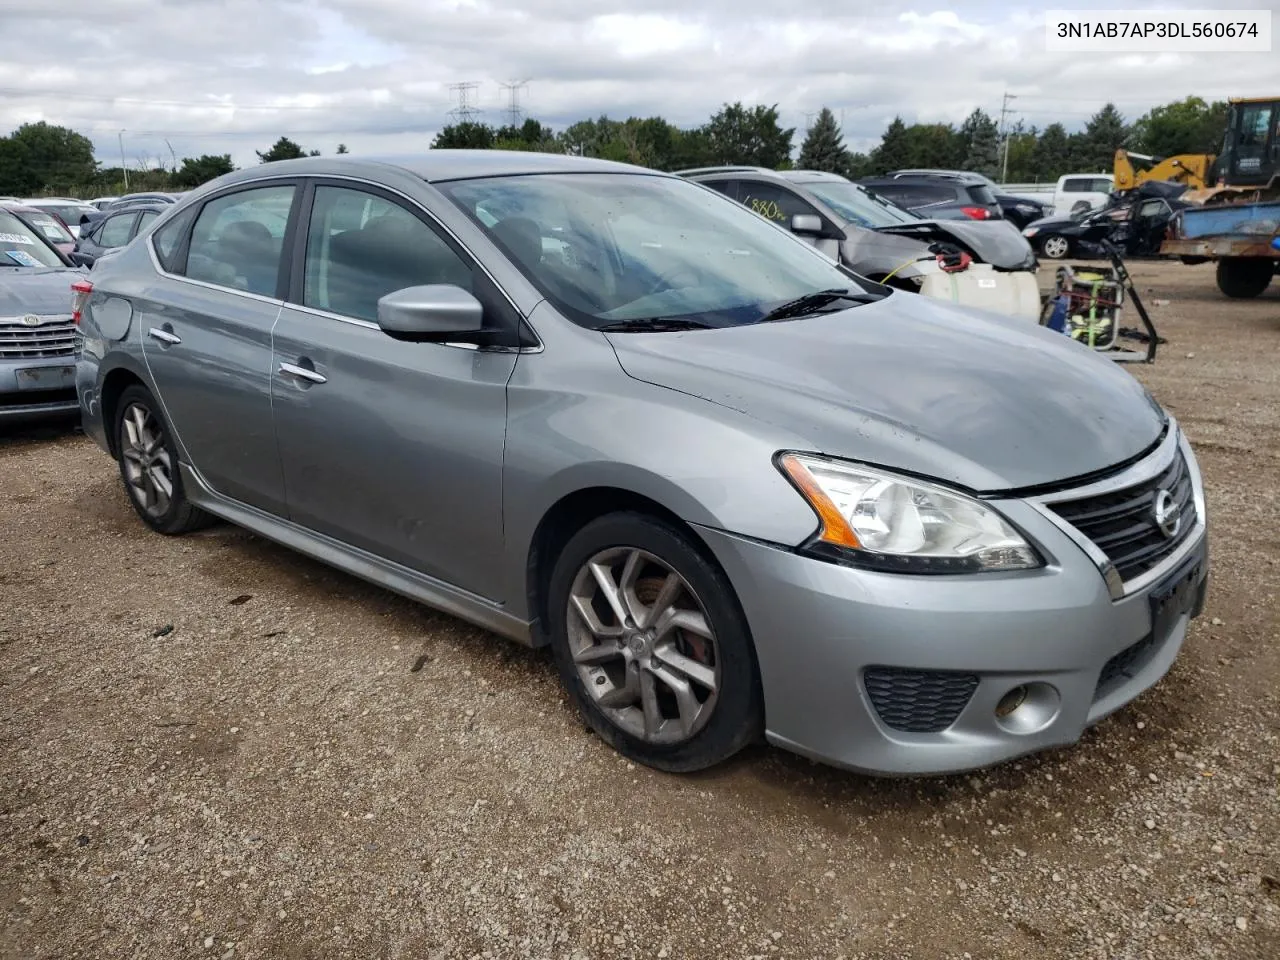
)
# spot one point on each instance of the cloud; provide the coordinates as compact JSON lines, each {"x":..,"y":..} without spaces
{"x":216,"y":76}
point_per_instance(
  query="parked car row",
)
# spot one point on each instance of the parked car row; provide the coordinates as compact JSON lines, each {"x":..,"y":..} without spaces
{"x":886,"y":242}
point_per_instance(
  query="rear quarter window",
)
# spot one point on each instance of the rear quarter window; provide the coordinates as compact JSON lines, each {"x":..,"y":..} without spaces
{"x":980,"y":193}
{"x":167,"y":241}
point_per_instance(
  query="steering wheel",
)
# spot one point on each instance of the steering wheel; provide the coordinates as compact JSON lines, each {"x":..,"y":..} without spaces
{"x":664,"y":280}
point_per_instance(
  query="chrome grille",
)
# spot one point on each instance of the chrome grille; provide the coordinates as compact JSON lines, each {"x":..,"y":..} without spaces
{"x":53,"y":337}
{"x":1122,"y":524}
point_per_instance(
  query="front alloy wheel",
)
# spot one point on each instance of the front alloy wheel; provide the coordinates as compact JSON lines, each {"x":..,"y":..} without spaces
{"x":1055,"y":248}
{"x":642,"y":645}
{"x":652,"y":645}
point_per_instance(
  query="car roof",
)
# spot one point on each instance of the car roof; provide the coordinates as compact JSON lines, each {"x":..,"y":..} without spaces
{"x":437,"y":166}
{"x":923,"y":173}
{"x":812,"y":176}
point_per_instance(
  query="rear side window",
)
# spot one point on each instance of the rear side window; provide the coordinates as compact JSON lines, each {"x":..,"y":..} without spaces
{"x":771,"y":201}
{"x":1086,"y":185}
{"x":980,"y":193}
{"x":145,"y":220}
{"x":115,"y":232}
{"x":238,"y":239}
{"x":915,"y":194}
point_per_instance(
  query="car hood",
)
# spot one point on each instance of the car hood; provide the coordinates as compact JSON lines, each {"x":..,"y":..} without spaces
{"x":44,"y":291}
{"x":970,"y":398}
{"x":1059,"y":224}
{"x":996,"y":242}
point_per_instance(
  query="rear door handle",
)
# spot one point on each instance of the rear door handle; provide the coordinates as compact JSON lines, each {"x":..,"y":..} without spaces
{"x":164,"y":336}
{"x":293,"y":370}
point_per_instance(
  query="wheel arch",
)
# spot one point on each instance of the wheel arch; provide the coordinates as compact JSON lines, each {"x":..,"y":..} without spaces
{"x":569,"y":514}
{"x":114,"y":383}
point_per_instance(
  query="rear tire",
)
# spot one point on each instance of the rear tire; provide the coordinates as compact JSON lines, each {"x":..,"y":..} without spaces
{"x":672,"y":682}
{"x":148,"y":462}
{"x":1243,"y":278}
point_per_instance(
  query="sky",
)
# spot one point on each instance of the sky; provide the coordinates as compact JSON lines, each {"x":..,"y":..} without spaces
{"x":174,"y":78}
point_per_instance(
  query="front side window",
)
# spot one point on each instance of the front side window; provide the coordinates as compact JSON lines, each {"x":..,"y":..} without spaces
{"x":238,"y":239}
{"x":858,"y":205}
{"x":20,"y":246}
{"x":609,"y":248}
{"x":771,"y":201}
{"x":115,"y":232}
{"x":361,"y":246}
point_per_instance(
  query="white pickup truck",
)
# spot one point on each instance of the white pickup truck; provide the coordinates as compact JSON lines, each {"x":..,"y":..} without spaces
{"x":1073,"y":192}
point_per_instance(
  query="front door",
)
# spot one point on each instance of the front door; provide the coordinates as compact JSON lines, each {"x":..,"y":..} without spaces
{"x":779,"y":205}
{"x":206,"y":335}
{"x":389,"y":446}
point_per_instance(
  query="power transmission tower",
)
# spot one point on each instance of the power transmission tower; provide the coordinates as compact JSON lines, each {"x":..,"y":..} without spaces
{"x":514,"y":112}
{"x":466,"y":111}
{"x":808,"y":122}
{"x":1004,"y":136}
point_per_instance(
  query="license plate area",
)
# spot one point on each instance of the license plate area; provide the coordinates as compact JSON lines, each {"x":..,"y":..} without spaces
{"x":46,"y":378}
{"x":1174,"y":597}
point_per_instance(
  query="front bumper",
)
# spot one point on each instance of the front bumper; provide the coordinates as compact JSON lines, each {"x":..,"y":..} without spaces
{"x":35,"y":388}
{"x":847,"y":655}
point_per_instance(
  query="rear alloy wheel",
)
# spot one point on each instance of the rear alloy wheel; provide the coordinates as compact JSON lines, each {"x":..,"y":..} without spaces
{"x":149,"y":466}
{"x":1244,"y":278}
{"x":1055,"y":248}
{"x":652,"y":646}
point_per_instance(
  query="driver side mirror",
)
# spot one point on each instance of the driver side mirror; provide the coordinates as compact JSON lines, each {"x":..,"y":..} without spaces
{"x":806,"y":223}
{"x":434,"y":314}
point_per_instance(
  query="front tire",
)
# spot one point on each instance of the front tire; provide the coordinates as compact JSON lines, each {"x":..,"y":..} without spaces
{"x":652,"y":645}
{"x":1244,"y":278}
{"x":1055,"y":247}
{"x":149,"y":466}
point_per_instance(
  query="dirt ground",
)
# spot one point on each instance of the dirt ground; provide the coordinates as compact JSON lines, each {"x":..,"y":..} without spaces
{"x":211,"y":747}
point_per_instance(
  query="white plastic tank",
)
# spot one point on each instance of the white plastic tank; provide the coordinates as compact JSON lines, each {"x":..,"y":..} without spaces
{"x":1012,"y":293}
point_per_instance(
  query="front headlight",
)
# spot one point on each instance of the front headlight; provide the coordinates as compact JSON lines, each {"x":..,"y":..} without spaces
{"x":879,"y":520}
{"x":1030,"y":231}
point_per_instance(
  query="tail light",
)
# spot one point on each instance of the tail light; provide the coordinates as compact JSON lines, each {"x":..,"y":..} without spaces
{"x":976,"y":213}
{"x":80,"y":290}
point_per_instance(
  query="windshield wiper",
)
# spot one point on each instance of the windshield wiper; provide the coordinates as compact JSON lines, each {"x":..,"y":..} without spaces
{"x":813,"y":302}
{"x":654,"y":325}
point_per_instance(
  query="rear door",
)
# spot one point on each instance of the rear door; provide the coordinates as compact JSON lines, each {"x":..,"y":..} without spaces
{"x":390,"y":446}
{"x":206,"y":334}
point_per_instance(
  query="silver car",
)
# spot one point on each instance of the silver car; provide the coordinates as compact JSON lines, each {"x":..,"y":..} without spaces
{"x":741,"y":492}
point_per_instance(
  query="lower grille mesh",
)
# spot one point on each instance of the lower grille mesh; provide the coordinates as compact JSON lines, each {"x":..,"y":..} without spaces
{"x":918,"y":701}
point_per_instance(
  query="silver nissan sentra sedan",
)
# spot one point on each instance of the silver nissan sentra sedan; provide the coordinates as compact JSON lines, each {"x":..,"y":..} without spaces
{"x":741,"y":491}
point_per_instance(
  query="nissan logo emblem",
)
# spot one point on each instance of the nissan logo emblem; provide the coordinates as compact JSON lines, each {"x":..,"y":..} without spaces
{"x":1167,"y":514}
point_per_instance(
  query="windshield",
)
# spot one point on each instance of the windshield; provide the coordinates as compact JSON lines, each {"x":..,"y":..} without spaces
{"x":53,"y":231}
{"x":860,"y":206}
{"x":608,"y":248}
{"x":21,"y":247}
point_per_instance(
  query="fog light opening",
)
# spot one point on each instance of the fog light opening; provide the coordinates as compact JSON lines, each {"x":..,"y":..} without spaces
{"x":1011,"y":701}
{"x":1028,"y":708}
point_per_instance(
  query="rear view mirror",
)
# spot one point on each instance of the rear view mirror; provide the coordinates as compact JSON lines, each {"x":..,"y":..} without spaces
{"x":806,"y":223}
{"x":437,"y":313}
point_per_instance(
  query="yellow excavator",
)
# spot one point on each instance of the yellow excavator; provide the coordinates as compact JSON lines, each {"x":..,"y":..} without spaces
{"x":1193,"y":169}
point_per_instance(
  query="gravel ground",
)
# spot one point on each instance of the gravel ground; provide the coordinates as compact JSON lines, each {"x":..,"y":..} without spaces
{"x":211,"y":747}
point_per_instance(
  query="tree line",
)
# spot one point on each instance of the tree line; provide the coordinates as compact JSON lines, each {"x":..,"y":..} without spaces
{"x":44,"y":158}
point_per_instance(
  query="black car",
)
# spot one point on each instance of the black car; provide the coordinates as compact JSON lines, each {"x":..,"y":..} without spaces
{"x":113,"y":230}
{"x":1134,"y":221}
{"x":938,"y":198}
{"x":1019,"y":211}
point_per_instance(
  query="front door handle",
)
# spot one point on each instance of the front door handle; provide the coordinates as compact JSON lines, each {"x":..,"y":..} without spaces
{"x":164,"y":336}
{"x":293,"y":370}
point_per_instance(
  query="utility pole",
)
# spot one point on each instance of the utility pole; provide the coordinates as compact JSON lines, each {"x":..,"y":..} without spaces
{"x":1004,"y":135}
{"x":172,"y":155}
{"x":466,"y":111}
{"x":514,"y":112}
{"x":123,"y":166}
